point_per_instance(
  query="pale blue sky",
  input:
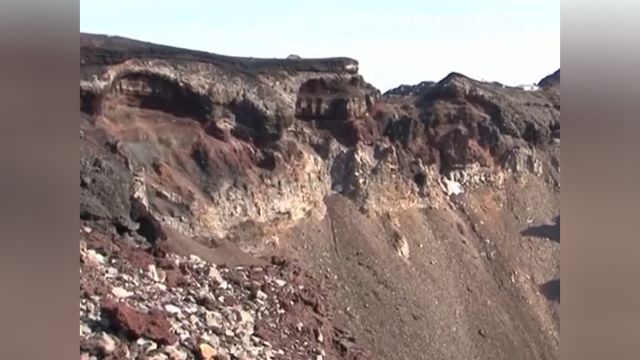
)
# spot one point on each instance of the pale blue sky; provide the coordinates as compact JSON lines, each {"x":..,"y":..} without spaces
{"x":396,"y":42}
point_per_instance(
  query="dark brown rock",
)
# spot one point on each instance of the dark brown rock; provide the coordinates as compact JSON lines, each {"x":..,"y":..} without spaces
{"x":134,"y":324}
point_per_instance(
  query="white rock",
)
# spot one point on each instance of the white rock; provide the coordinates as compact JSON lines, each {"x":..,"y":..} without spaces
{"x":111,"y":272}
{"x":156,"y":274}
{"x":175,"y":353}
{"x":93,"y":257}
{"x":213,"y":319}
{"x":84,"y":329}
{"x":261,"y":295}
{"x":87,"y":229}
{"x":452,"y":187}
{"x":280,"y":283}
{"x":172,"y":309}
{"x":214,"y":274}
{"x":212,"y":340}
{"x":245,"y":317}
{"x":120,"y":292}
{"x":107,"y":343}
{"x":152,"y":346}
{"x":191,"y":309}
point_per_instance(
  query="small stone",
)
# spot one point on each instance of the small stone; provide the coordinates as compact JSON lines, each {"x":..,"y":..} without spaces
{"x":87,"y":229}
{"x":261,"y":295}
{"x":172,"y":309}
{"x":175,"y":353}
{"x":213,"y":319}
{"x":319,"y":357}
{"x":185,"y":336}
{"x":94,"y":258}
{"x":161,"y":287}
{"x":84,"y":329}
{"x":107,"y":343}
{"x":156,"y":274}
{"x":152,"y":346}
{"x":280,"y":283}
{"x":244,"y":317}
{"x":191,"y":309}
{"x":482,"y":333}
{"x":214,"y":274}
{"x":159,"y":356}
{"x":252,"y":352}
{"x":120,"y":292}
{"x":111,"y":272}
{"x":211,"y":339}
{"x":319,"y":336}
{"x":222,"y":355}
{"x":206,"y":352}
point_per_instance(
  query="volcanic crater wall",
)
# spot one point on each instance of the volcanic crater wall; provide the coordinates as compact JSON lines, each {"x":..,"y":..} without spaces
{"x":215,"y":149}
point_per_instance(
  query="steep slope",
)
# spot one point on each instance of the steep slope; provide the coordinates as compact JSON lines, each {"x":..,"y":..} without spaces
{"x":417,"y":220}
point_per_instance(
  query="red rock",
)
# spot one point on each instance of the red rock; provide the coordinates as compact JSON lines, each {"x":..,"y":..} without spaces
{"x":135,"y":324}
{"x":138,"y":258}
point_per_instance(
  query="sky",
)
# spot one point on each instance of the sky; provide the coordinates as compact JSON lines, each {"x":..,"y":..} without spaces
{"x":395,"y":42}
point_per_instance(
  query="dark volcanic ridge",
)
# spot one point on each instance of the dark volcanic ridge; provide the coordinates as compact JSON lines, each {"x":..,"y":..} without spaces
{"x":240,"y":208}
{"x":550,"y":81}
{"x":109,"y":50}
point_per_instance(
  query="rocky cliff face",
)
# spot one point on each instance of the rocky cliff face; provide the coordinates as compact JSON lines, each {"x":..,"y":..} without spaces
{"x":552,"y":80}
{"x":236,"y":160}
{"x":409,"y":90}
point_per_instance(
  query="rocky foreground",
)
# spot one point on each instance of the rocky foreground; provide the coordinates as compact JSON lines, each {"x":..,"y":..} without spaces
{"x":240,"y":208}
{"x":137,"y":305}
